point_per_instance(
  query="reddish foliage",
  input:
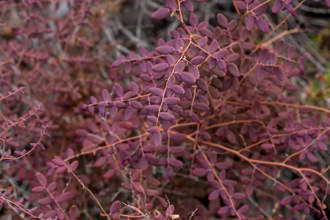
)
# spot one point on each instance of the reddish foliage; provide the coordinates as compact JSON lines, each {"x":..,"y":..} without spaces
{"x":204,"y":126}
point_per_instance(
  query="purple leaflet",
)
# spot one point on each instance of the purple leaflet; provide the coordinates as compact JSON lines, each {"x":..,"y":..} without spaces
{"x":193,"y":20}
{"x":171,"y":4}
{"x":41,"y":178}
{"x":199,"y":172}
{"x":161,"y":13}
{"x":222,"y":20}
{"x":160,"y":67}
{"x":177,"y":89}
{"x":156,"y":91}
{"x":171,"y":100}
{"x":233,"y":69}
{"x":166,"y":116}
{"x":214,"y":195}
{"x":136,"y":104}
{"x":165,"y":49}
{"x":202,"y":41}
{"x":152,"y":108}
{"x":188,"y":77}
{"x":188,"y":5}
{"x":197,"y":60}
{"x":277,"y":6}
{"x":262,"y":25}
